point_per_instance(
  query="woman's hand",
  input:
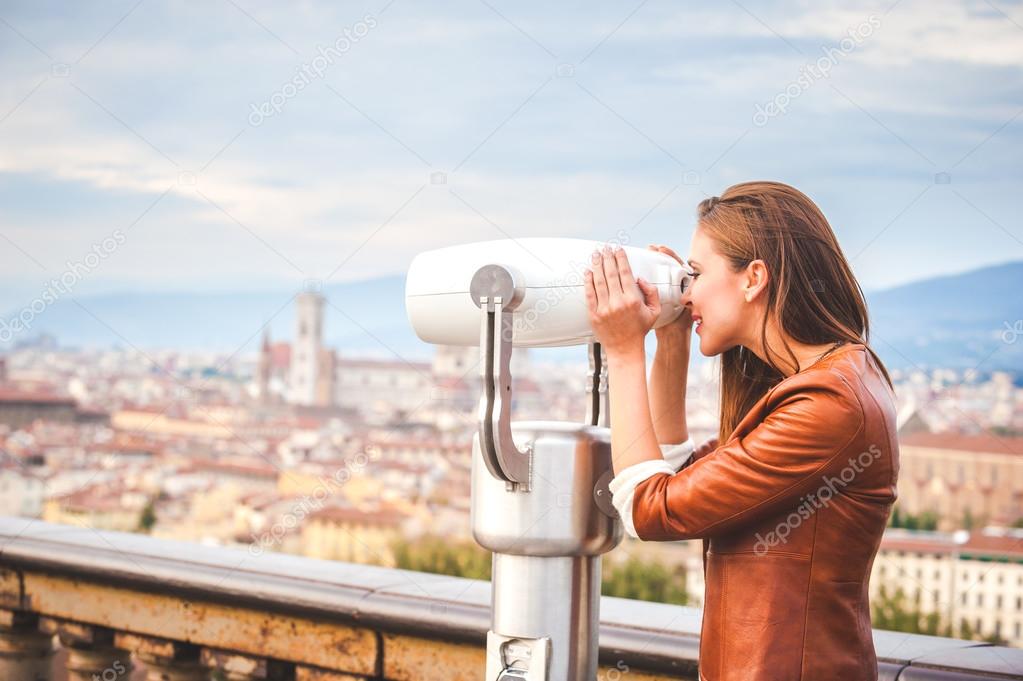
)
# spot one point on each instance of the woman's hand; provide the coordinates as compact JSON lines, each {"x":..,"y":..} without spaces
{"x":622,"y":309}
{"x":682,"y":326}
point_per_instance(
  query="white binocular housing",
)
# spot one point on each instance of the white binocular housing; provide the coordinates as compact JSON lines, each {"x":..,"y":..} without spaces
{"x":545,"y":280}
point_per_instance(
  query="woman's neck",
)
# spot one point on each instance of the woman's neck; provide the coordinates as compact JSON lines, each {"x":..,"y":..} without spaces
{"x":805,"y":354}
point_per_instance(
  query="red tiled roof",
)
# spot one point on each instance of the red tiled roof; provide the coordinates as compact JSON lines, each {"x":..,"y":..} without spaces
{"x":386,"y":517}
{"x":389,"y":444}
{"x":918,"y":545}
{"x":280,"y":355}
{"x":34,"y":396}
{"x":453,"y":383}
{"x":526,"y":385}
{"x":411,"y":469}
{"x":254,"y":470}
{"x":990,"y":542}
{"x":143,"y":408}
{"x":986,"y":443}
{"x":94,"y":498}
{"x":993,"y":544}
{"x":382,"y":364}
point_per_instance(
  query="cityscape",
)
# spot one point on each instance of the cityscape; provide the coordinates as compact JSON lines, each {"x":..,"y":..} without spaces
{"x":301,"y":450}
{"x":285,"y":286}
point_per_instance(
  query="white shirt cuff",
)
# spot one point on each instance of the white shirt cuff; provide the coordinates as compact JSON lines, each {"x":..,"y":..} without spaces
{"x":623,"y":486}
{"x":678,"y":454}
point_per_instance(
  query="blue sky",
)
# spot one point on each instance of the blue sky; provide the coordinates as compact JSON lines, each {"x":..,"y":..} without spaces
{"x":581,"y":119}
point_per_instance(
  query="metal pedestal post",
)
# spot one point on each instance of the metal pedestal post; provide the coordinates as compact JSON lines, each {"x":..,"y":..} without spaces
{"x":544,"y":510}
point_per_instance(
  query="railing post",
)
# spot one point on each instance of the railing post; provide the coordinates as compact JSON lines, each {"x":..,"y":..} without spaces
{"x":165,"y":660}
{"x":91,"y":651}
{"x":25,"y":651}
{"x":313,"y":674}
{"x":239,"y":667}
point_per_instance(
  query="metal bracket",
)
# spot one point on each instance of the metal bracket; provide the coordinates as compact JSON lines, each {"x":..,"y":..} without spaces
{"x":494,"y":291}
{"x":602,"y":495}
{"x":598,"y":407}
{"x":511,"y":658}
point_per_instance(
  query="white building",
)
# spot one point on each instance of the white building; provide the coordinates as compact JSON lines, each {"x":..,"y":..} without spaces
{"x":383,"y":386}
{"x":307,"y":348}
{"x":971,"y":577}
{"x":21,"y":492}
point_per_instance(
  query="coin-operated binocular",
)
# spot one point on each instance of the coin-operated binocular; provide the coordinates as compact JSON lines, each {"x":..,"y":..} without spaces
{"x":540,"y":499}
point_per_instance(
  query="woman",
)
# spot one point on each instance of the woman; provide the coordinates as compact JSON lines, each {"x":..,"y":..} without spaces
{"x":792,"y":504}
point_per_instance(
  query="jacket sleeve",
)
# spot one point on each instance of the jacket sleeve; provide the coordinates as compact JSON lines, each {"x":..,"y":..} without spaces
{"x":623,"y":484}
{"x":790,"y":453}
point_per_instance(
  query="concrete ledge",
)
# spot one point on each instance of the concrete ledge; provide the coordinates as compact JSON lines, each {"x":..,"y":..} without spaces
{"x":342,"y":620}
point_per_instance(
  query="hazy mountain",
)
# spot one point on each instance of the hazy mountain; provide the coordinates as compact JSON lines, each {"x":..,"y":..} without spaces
{"x":958,"y":321}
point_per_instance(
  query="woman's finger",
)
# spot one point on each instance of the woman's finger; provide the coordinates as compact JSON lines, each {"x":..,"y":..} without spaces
{"x":614,"y":284}
{"x":599,"y":280}
{"x":672,"y":253}
{"x":650,"y":296}
{"x":625,"y":277}
{"x":591,"y":294}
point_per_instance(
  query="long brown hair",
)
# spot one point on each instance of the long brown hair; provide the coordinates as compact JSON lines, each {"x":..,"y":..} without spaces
{"x":811,"y":290}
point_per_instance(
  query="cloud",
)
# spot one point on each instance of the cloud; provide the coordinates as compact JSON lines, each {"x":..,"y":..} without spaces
{"x":475,"y":95}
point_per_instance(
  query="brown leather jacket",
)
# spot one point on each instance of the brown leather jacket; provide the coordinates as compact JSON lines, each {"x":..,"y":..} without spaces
{"x":791,"y":510}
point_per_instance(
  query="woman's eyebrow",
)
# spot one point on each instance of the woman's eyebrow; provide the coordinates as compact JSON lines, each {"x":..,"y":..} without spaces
{"x":693,"y":262}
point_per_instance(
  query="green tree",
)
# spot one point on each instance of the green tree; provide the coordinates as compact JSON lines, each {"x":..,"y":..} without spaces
{"x":995,"y":640}
{"x":892,"y":612}
{"x":968,"y":520}
{"x":926,"y":520}
{"x":643,"y":581}
{"x":147,"y":518}
{"x":440,"y":556}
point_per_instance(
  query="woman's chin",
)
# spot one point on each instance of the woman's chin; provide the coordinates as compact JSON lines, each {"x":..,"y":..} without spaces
{"x":708,"y":348}
{"x":704,"y":347}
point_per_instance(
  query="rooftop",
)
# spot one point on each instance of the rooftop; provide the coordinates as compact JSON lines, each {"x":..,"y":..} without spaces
{"x":988,"y":443}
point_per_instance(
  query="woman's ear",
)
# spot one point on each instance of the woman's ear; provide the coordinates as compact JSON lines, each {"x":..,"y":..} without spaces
{"x":755,"y":280}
